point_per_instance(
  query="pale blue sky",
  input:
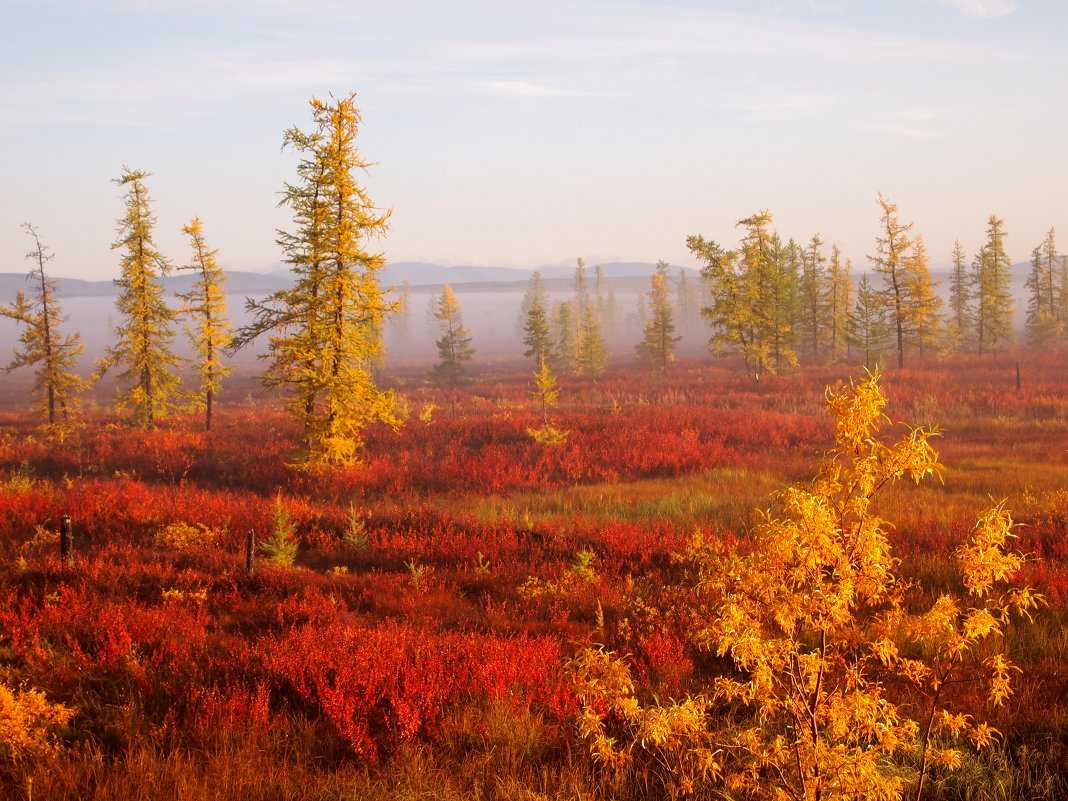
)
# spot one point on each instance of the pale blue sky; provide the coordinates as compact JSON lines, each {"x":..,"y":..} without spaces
{"x":528,"y":133}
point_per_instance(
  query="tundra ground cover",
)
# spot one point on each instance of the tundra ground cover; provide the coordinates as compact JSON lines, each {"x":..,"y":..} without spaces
{"x":417,"y":645}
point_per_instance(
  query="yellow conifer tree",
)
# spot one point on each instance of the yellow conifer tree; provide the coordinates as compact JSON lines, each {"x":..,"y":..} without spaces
{"x":205,"y":304}
{"x":144,"y":337}
{"x":43,"y":345}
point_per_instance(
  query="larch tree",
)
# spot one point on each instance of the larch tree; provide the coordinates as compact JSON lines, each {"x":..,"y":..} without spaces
{"x":327,"y":329}
{"x":657,"y":347}
{"x":454,"y":344}
{"x":591,"y":351}
{"x":840,"y":298}
{"x":688,"y":301}
{"x":923,"y":310}
{"x":867,"y":328}
{"x":205,"y":305}
{"x":1043,"y":323}
{"x":546,"y":392}
{"x":961,"y":318}
{"x":537,"y":336}
{"x":148,"y":383}
{"x":992,"y":274}
{"x":891,"y":262}
{"x":565,"y":336}
{"x":42,"y":345}
{"x":753,"y":295}
{"x":291,"y":317}
{"x":535,"y":291}
{"x":814,"y":296}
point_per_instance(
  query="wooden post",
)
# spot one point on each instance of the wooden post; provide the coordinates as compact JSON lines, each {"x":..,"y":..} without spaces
{"x":1017,"y":376}
{"x":66,"y":541}
{"x":250,"y":551}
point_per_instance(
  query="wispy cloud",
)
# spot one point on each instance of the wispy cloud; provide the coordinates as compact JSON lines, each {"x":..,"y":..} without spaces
{"x":786,"y":107}
{"x":982,"y":8}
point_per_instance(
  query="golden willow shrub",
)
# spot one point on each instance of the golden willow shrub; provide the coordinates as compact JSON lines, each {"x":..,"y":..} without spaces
{"x":814,"y":627}
{"x":28,"y":722}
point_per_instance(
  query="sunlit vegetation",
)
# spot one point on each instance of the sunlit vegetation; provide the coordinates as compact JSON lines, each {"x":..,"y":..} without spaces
{"x":622,"y":576}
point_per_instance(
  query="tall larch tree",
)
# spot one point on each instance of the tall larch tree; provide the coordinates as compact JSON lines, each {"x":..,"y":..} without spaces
{"x":961,"y":319}
{"x":537,"y":336}
{"x":814,"y":295}
{"x":890,"y":262}
{"x":43,"y":345}
{"x":924,"y":307}
{"x":840,"y":299}
{"x":868,"y":331}
{"x":292,"y":317}
{"x":1043,"y":318}
{"x":353,"y":304}
{"x":657,"y":348}
{"x":454,"y":344}
{"x":205,"y":306}
{"x":149,"y":386}
{"x":327,"y":329}
{"x":993,"y":294}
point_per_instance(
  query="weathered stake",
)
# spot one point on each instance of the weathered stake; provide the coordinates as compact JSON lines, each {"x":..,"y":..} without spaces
{"x":250,"y":551}
{"x":1017,"y":376}
{"x":66,"y":541}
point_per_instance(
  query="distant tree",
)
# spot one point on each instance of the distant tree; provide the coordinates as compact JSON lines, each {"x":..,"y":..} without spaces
{"x":657,"y":348}
{"x":403,"y":313}
{"x":43,"y":345}
{"x":752,"y":295}
{"x":327,"y":328}
{"x":565,"y":336}
{"x":961,"y":320}
{"x":535,"y":291}
{"x":454,"y":345}
{"x":591,"y":354}
{"x":840,"y":298}
{"x":784,"y":311}
{"x":815,"y":299}
{"x":205,"y":304}
{"x":923,"y":308}
{"x":991,"y":285}
{"x":536,"y":334}
{"x":149,"y":385}
{"x":867,"y":328}
{"x":890,"y":262}
{"x":1043,"y":319}
{"x":1061,"y":288}
{"x":688,"y":302}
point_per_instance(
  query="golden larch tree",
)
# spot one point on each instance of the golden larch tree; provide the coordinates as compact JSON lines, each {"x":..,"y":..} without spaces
{"x":148,"y":383}
{"x":923,"y":310}
{"x":454,"y":344}
{"x":326,"y":330}
{"x":205,"y":306}
{"x":840,"y":298}
{"x":657,"y":347}
{"x":42,"y":345}
{"x":891,"y":262}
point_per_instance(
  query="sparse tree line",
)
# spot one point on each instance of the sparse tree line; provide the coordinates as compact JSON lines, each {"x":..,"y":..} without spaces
{"x":775,"y":304}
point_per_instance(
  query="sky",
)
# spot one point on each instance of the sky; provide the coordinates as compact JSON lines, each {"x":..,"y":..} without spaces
{"x":530,"y":133}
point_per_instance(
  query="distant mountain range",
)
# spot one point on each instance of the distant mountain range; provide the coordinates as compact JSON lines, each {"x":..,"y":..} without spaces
{"x":419,"y":275}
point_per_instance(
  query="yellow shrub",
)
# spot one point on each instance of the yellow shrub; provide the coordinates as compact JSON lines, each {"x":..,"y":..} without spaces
{"x":179,"y":536}
{"x":28,"y":723}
